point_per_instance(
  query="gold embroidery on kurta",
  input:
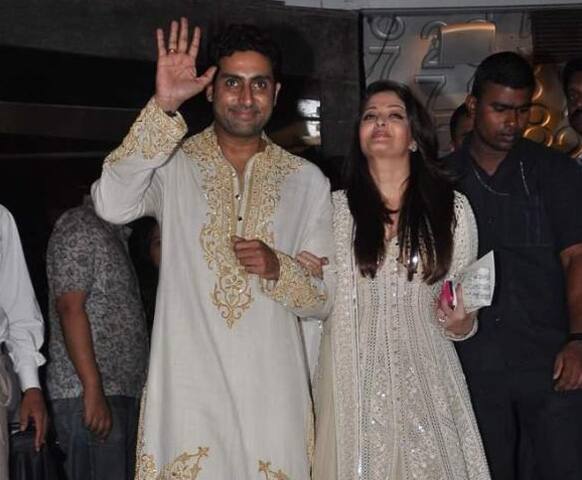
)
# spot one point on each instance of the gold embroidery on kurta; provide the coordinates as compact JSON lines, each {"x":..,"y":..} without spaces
{"x":295,"y":287}
{"x":232,"y":294}
{"x":151,"y":134}
{"x":185,"y":466}
{"x":265,"y":467}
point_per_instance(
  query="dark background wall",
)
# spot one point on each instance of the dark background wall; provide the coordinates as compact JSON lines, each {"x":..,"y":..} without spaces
{"x":319,"y":46}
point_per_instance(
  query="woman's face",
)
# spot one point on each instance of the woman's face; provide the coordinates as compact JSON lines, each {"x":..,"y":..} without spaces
{"x":384,"y":127}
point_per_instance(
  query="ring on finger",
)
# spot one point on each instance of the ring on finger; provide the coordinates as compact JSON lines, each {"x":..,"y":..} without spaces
{"x":442,"y":319}
{"x":171,"y":50}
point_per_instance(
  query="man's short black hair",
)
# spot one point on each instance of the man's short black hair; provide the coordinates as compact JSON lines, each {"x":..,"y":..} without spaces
{"x":572,"y":67}
{"x":460,"y":111}
{"x":244,"y":38}
{"x":505,"y":68}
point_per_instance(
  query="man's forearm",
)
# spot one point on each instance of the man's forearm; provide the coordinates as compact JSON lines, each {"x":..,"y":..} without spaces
{"x":79,"y":343}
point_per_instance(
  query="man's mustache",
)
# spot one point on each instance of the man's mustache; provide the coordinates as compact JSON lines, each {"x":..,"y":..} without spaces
{"x":253,"y":109}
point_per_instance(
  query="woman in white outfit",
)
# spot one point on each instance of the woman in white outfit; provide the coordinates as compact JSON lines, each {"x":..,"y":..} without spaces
{"x":391,"y":398}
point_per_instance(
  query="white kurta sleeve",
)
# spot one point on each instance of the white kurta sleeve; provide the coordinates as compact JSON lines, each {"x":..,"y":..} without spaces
{"x":20,"y":317}
{"x":296,"y":289}
{"x":129,"y":186}
{"x":465,"y":248}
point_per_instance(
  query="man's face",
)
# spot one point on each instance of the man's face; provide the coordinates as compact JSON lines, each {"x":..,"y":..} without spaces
{"x":243,"y":94}
{"x":500,"y":115}
{"x":574,"y":101}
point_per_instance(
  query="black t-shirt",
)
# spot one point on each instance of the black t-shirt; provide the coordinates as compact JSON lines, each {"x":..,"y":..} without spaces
{"x":528,"y":211}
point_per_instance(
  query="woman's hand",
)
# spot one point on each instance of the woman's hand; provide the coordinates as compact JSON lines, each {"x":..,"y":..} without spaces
{"x":455,"y":321}
{"x":312,"y":263}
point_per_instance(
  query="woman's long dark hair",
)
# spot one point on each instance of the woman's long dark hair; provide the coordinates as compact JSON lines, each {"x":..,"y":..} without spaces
{"x":426,"y":219}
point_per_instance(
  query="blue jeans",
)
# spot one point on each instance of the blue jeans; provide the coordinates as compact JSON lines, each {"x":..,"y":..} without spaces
{"x":86,"y":456}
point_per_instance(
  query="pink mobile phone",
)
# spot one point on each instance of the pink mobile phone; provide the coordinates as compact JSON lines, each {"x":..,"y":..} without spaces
{"x":448,"y":293}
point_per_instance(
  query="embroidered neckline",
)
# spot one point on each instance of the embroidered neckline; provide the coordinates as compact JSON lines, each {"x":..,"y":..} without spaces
{"x":232,"y":294}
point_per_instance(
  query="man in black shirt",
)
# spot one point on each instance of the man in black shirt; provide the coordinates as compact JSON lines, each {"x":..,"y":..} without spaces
{"x":524,"y":366}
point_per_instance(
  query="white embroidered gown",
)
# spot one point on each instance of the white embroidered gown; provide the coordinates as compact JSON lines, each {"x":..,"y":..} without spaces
{"x":227,"y":394}
{"x":391,"y":399}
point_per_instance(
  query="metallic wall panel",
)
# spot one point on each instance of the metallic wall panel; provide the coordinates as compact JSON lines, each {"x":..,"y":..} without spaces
{"x":408,"y":48}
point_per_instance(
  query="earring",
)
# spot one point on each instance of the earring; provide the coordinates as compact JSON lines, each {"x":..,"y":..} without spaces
{"x":413,"y":147}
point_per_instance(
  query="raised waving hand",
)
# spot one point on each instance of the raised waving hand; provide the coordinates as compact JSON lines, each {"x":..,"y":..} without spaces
{"x":176,"y":76}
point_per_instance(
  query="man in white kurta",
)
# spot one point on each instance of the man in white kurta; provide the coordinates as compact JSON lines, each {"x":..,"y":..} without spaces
{"x":227,"y":395}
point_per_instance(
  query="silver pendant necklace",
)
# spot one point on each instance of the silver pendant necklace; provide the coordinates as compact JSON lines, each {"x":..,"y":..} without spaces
{"x":495,"y":192}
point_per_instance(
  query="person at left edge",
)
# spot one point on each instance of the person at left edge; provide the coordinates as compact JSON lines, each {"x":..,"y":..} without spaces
{"x":227,"y":392}
{"x":21,"y":334}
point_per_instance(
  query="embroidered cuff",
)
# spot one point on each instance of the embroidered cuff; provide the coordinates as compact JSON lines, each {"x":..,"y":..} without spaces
{"x":154,"y":132}
{"x":460,"y":338}
{"x":296,"y":288}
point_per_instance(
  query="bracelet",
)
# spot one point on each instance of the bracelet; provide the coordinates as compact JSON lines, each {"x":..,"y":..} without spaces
{"x":574,"y":337}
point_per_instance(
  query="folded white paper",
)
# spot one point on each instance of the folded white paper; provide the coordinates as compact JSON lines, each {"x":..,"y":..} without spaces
{"x":478,"y":282}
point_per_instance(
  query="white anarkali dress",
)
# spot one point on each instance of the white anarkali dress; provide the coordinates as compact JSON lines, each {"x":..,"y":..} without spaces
{"x":227,"y":395}
{"x":391,"y":397}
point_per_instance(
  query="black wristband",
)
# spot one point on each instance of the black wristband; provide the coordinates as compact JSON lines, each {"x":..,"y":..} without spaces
{"x":574,"y":337}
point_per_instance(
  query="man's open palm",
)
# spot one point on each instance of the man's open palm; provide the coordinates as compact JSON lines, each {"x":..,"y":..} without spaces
{"x":176,"y":76}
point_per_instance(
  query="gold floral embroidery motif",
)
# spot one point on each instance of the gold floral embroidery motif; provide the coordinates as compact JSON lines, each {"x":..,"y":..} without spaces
{"x":295,"y":287}
{"x":185,"y":466}
{"x":151,"y":134}
{"x":232,"y":294}
{"x":265,"y":467}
